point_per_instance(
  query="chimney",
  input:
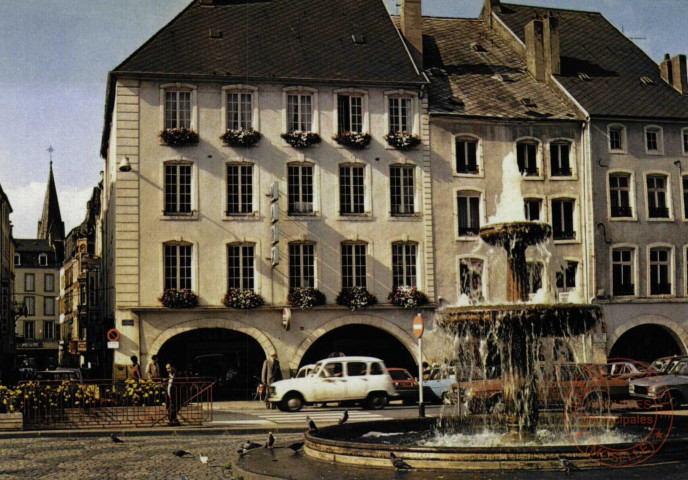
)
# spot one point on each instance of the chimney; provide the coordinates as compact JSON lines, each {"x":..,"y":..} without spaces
{"x":535,"y":49}
{"x":551,"y":43}
{"x":492,"y":6}
{"x":411,"y":26}
{"x":680,"y":76}
{"x":665,"y":70}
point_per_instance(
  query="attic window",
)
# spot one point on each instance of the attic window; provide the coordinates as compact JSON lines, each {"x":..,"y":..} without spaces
{"x":528,"y":102}
{"x":478,"y":48}
{"x":358,"y":39}
{"x":647,"y":81}
{"x":215,"y":33}
{"x":584,"y":76}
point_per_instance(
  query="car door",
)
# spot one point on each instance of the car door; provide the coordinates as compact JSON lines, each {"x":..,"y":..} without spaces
{"x":332,"y":383}
{"x":357,"y":377}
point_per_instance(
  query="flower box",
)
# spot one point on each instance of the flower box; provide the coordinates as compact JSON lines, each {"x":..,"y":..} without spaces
{"x":356,"y":298}
{"x":241,"y":138}
{"x":352,"y":139}
{"x":301,"y":139}
{"x":179,"y":137}
{"x":174,"y":298}
{"x":402,"y":140}
{"x":242,"y":299}
{"x":305,"y":298}
{"x":407,"y":297}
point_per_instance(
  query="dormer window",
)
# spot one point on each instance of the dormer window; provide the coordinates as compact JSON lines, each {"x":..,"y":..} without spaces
{"x":17,"y":259}
{"x":43,"y":259}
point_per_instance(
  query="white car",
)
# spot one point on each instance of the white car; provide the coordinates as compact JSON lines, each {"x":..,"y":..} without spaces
{"x":341,"y":379}
{"x":305,"y":371}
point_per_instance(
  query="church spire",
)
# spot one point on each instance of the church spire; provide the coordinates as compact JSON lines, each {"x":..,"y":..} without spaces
{"x":51,"y":226}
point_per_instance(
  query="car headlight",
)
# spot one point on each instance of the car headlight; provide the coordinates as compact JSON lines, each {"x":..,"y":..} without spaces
{"x":271,"y":390}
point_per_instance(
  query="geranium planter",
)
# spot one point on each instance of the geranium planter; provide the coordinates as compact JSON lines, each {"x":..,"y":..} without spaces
{"x":354,"y":140}
{"x":241,"y":138}
{"x":179,"y":137}
{"x":402,"y":140}
{"x":356,"y":298}
{"x":242,"y":299}
{"x":407,"y":297}
{"x":301,"y":139}
{"x":306,"y":298}
{"x":174,"y":298}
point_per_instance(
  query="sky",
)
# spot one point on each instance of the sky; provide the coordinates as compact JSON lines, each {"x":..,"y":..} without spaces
{"x":55,"y":56}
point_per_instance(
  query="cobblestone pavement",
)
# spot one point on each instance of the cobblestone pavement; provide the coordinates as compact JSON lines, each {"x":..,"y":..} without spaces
{"x":139,"y":457}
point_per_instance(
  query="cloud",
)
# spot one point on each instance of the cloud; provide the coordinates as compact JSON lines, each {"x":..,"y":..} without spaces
{"x":27,"y":206}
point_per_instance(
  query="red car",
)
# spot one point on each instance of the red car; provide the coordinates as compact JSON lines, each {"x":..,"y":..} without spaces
{"x":405,"y":385}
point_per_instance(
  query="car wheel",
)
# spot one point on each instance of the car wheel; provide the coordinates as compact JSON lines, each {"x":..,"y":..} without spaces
{"x":292,"y":402}
{"x":671,"y":401}
{"x":376,"y":401}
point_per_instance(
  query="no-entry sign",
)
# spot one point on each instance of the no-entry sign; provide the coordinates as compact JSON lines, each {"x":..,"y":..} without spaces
{"x":418,"y":326}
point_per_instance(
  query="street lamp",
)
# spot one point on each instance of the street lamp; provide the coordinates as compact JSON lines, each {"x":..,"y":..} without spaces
{"x":125,"y":165}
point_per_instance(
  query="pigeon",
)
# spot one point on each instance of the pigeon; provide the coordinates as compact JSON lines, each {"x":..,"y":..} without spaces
{"x":180,"y":453}
{"x":295,"y":447}
{"x":114,"y":438}
{"x":312,"y":427}
{"x":271,"y":441}
{"x":247,"y":447}
{"x":344,"y":418}
{"x":183,"y":477}
{"x":203,"y":458}
{"x":565,"y":465}
{"x":398,"y":463}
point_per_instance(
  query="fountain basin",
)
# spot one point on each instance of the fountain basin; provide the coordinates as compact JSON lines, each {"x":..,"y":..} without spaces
{"x":525,"y":233}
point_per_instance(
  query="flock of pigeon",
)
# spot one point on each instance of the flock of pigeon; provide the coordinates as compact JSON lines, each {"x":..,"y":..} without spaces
{"x":250,"y":446}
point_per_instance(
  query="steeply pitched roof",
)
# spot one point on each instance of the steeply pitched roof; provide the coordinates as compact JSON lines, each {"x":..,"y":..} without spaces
{"x":614,"y":64}
{"x":29,"y":250}
{"x":473,"y":72}
{"x":279,"y":39}
{"x":51,"y":223}
{"x":35,"y":245}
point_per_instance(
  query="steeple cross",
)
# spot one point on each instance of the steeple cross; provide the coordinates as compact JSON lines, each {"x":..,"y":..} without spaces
{"x":51,"y":150}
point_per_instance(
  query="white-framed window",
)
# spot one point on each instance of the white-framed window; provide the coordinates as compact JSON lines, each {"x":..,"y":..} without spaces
{"x":563,"y":219}
{"x":404,"y":264}
{"x":402,"y":189}
{"x":467,"y":155}
{"x":623,"y":270}
{"x":616,"y":134}
{"x":301,"y":265}
{"x":29,"y":329}
{"x":535,"y":274}
{"x":239,"y":107}
{"x":352,"y":189}
{"x":29,"y":282}
{"x":528,"y":156}
{"x":178,"y":189}
{"x":561,"y":160}
{"x":300,"y":189}
{"x":241,"y":266}
{"x":301,"y":109}
{"x":566,"y":278}
{"x":49,"y":282}
{"x":660,"y":269}
{"x":48,"y":330}
{"x":178,"y":260}
{"x":471,"y":283}
{"x":48,"y":306}
{"x":351,"y":110}
{"x":42,"y":259}
{"x":354,"y":265}
{"x":178,"y":106}
{"x":658,"y":196}
{"x":17,"y":259}
{"x":469,"y":213}
{"x":30,"y":304}
{"x":401,"y":111}
{"x":621,"y":196}
{"x":533,"y":209}
{"x":239,"y":189}
{"x":654,"y":140}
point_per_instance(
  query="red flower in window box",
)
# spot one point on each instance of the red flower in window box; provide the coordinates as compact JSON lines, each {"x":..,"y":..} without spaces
{"x":242,"y":299}
{"x":179,"y":137}
{"x":305,"y":297}
{"x":176,"y":298}
{"x":241,"y":138}
{"x":352,"y":139}
{"x":407,"y":297}
{"x":402,"y":140}
{"x":356,"y":298}
{"x":301,"y":139}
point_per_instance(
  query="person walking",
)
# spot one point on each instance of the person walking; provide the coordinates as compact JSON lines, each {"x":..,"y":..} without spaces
{"x":171,"y":395}
{"x":153,"y":368}
{"x":271,"y":374}
{"x":135,"y":369}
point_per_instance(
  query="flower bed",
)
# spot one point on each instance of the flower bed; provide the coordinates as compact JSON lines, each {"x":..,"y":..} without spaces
{"x":407,"y":297}
{"x":242,"y":299}
{"x":305,"y":298}
{"x":241,"y":138}
{"x":174,"y":298}
{"x":178,"y":137}
{"x":301,"y":139}
{"x":352,"y":139}
{"x":10,"y":399}
{"x":356,"y":298}
{"x":402,"y":140}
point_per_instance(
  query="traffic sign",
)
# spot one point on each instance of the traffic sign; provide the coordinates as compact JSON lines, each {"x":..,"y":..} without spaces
{"x":418,"y":326}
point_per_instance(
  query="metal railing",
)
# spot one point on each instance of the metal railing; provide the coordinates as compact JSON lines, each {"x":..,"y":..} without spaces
{"x":56,"y":404}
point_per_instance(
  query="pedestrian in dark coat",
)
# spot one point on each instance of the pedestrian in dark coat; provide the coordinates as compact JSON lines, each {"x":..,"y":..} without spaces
{"x":271,"y":373}
{"x":171,"y":396}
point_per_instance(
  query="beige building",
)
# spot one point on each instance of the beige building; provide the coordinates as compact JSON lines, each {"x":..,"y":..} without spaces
{"x":204,"y":216}
{"x":7,"y":314}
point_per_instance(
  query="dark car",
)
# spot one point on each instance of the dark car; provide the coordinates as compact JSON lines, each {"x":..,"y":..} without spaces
{"x":216,"y":366}
{"x":405,"y":385}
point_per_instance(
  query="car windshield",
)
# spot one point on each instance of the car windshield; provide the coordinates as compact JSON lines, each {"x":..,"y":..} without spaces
{"x":680,"y":368}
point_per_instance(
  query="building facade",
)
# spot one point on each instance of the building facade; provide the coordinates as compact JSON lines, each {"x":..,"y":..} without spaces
{"x":7,"y":314}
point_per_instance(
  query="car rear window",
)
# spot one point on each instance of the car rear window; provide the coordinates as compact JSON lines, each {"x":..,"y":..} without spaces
{"x":356,"y":369}
{"x":377,"y":369}
{"x":398,"y":374}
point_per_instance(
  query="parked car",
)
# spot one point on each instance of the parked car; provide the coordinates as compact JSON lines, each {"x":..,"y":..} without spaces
{"x":216,"y":366}
{"x":305,"y":371}
{"x":363,"y":380}
{"x":437,"y":384}
{"x":663,"y":364}
{"x":670,"y":389}
{"x":405,"y":385}
{"x":62,"y":373}
{"x":625,"y":368}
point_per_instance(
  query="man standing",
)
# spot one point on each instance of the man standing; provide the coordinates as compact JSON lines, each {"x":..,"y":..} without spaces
{"x":271,"y":374}
{"x":171,"y":394}
{"x":153,"y":368}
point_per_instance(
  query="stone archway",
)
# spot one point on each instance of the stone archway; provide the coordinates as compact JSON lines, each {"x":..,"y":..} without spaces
{"x":398,"y":333}
{"x":668,"y":327}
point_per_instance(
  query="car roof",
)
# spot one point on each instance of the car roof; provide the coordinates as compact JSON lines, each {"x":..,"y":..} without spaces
{"x":350,"y":359}
{"x":310,"y":365}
